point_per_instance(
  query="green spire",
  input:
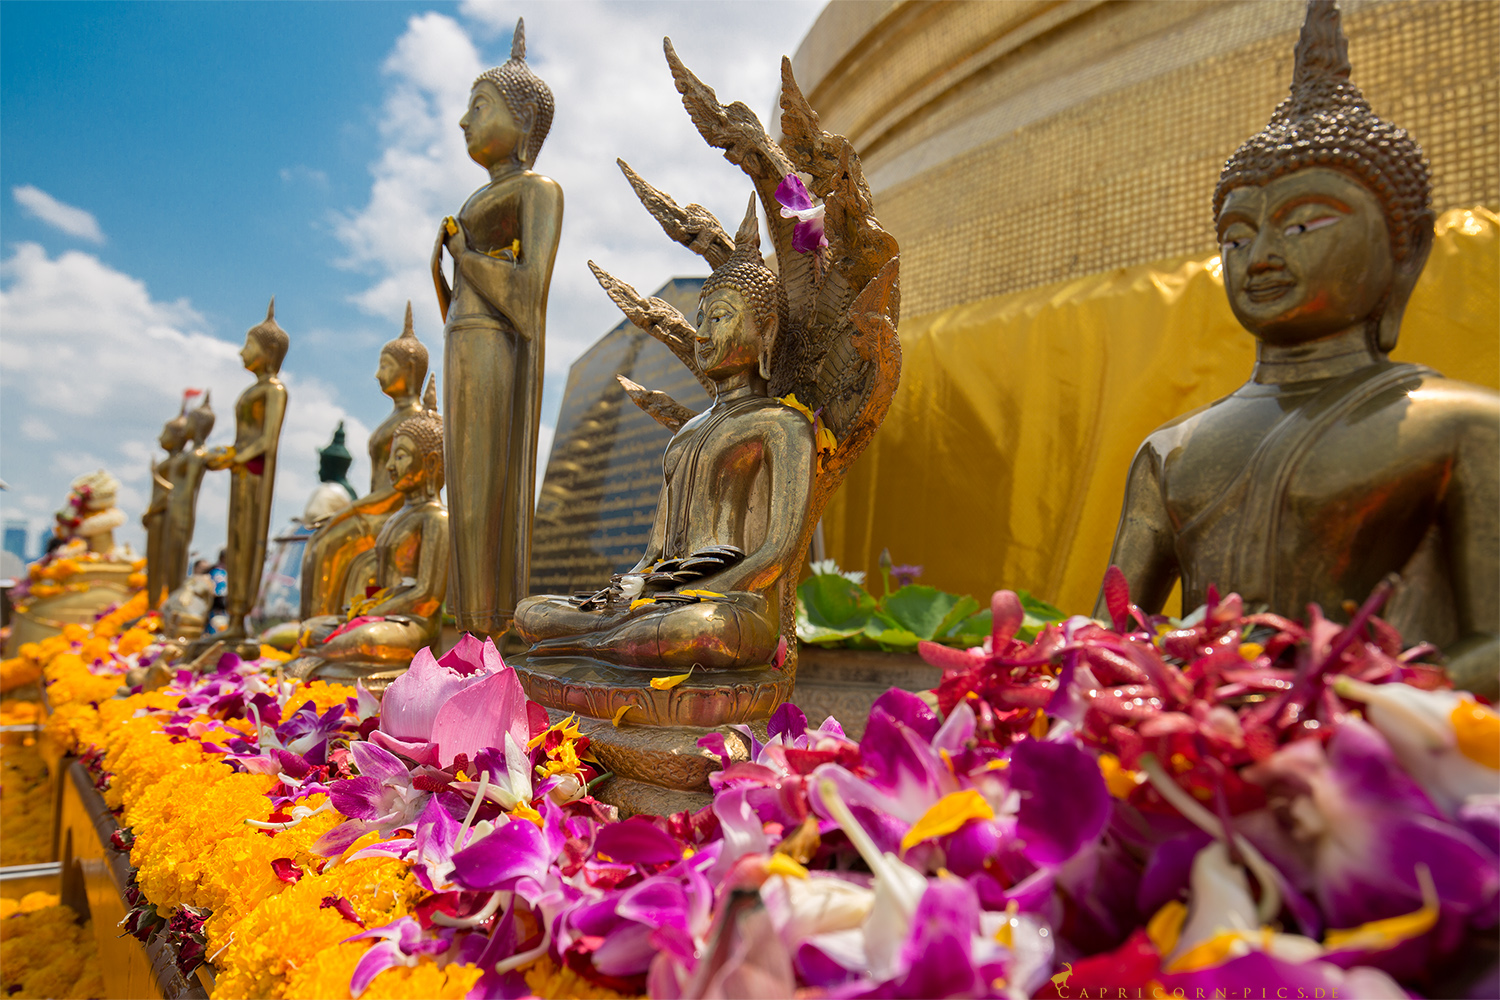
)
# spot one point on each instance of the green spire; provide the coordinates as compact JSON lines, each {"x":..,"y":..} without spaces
{"x":334,"y":462}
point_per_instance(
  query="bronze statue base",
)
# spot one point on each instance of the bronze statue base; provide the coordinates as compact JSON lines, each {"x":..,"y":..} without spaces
{"x":637,"y":798}
{"x":657,"y":769}
{"x":707,"y":698}
{"x":652,"y":749}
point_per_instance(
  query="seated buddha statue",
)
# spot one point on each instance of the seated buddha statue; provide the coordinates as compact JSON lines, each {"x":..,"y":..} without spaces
{"x":377,"y":639}
{"x":738,"y":480}
{"x":801,"y":364}
{"x":1333,"y":466}
{"x":338,"y":563}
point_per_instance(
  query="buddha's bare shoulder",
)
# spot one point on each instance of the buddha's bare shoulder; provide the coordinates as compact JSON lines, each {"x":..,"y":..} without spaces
{"x":1464,"y":401}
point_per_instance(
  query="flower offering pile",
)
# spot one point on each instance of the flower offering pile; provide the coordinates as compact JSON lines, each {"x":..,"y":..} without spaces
{"x":1228,"y":803}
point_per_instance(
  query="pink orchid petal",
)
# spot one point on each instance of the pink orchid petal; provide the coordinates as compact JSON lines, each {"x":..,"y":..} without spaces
{"x":375,"y":762}
{"x":1007,"y":615}
{"x":420,"y":750}
{"x":481,"y":717}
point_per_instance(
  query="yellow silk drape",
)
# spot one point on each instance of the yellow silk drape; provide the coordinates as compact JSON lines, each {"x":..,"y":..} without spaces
{"x":1002,"y":462}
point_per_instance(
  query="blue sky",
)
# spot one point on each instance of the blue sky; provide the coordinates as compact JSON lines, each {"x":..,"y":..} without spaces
{"x":166,"y":167}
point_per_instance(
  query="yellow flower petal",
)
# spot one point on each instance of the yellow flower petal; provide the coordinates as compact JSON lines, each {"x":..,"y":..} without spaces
{"x":641,"y":601}
{"x":1165,"y":927}
{"x":1478,"y":729}
{"x":668,"y":683}
{"x":790,"y":399}
{"x":1250,"y":650}
{"x":1120,"y":781}
{"x":1387,"y":933}
{"x":568,"y":727}
{"x":782,"y":864}
{"x":700,"y":593}
{"x":620,"y":715}
{"x":272,"y":653}
{"x":525,"y":811}
{"x":1039,"y":726}
{"x":1215,"y":951}
{"x":947,"y":815}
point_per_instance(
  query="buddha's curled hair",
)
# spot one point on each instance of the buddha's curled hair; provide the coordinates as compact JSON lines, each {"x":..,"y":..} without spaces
{"x":527,"y":97}
{"x":426,"y":428}
{"x":271,"y":337}
{"x":408,"y":351}
{"x":745,"y":271}
{"x":201,"y":419}
{"x":1326,"y":122}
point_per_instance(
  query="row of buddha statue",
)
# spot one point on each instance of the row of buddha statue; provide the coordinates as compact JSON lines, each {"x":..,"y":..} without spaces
{"x":1330,"y":469}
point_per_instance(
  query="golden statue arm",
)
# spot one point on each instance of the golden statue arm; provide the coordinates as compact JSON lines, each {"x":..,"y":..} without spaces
{"x":158,"y":504}
{"x":440,"y":280}
{"x":1144,"y":548}
{"x":663,"y":408}
{"x":1471,"y":512}
{"x":425,"y":596}
{"x":518,"y":287}
{"x":656,"y":543}
{"x":270,"y":425}
{"x":791,"y":455}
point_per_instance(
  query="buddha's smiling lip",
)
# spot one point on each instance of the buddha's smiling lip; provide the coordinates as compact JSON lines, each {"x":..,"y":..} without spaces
{"x":1268,"y":291}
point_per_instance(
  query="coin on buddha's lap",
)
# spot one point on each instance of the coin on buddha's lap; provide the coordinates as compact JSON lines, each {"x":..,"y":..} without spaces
{"x":702,"y":565}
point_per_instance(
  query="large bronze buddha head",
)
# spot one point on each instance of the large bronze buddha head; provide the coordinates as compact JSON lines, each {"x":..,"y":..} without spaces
{"x":403,"y":362}
{"x":1323,"y":216}
{"x":739,"y":313}
{"x":510,"y":110}
{"x":265,"y":344}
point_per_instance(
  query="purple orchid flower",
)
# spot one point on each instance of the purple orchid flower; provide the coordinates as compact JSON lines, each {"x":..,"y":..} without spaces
{"x":400,"y":942}
{"x":1369,"y":826}
{"x":796,"y":203}
{"x":430,"y":851}
{"x":382,"y":798}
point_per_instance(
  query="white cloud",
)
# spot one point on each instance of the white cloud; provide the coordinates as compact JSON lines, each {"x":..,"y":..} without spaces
{"x":38,"y":429}
{"x":86,"y":352}
{"x":615,"y":97}
{"x":59,"y":215}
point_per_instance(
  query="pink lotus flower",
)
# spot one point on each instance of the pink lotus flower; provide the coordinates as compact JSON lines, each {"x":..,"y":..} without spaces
{"x":460,"y":704}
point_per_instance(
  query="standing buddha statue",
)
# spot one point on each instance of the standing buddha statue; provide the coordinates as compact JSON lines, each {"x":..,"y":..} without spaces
{"x":1333,"y":466}
{"x":184,"y":470}
{"x":377,"y":640}
{"x":251,"y":461}
{"x":339,"y":561}
{"x":503,"y":243}
{"x":174,"y":436}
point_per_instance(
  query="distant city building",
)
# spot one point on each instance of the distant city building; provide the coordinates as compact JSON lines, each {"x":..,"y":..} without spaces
{"x":15,"y":539}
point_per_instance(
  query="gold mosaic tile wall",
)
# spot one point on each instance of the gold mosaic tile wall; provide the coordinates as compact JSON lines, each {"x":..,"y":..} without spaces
{"x":1016,"y":143}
